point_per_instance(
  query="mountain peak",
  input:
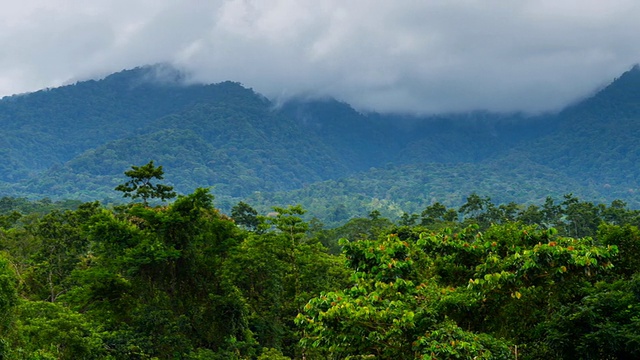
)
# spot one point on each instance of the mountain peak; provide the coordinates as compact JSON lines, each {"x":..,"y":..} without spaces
{"x":162,"y":74}
{"x":619,"y":99}
{"x":626,"y":87}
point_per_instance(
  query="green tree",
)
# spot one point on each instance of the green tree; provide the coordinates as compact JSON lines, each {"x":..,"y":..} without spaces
{"x":408,"y":219}
{"x":155,"y":279}
{"x":9,"y":220}
{"x":603,"y":324}
{"x":474,"y":206}
{"x":582,"y":218}
{"x":510,"y":279}
{"x":432,"y":214}
{"x":480,"y":210}
{"x":61,"y":243}
{"x":141,"y":185}
{"x":531,"y":215}
{"x":46,"y":330}
{"x":356,"y":228}
{"x":278,"y":271}
{"x":437,"y":215}
{"x":616,"y":214}
{"x":627,"y":239}
{"x":391,"y":311}
{"x":454,"y":295}
{"x":551,"y":213}
{"x":246,"y":216}
{"x":8,"y":295}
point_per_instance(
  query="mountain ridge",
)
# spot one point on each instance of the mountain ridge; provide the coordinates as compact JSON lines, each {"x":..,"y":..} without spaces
{"x":77,"y":140}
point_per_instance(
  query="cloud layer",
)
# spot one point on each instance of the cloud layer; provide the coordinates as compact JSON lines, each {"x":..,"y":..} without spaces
{"x":402,"y":56}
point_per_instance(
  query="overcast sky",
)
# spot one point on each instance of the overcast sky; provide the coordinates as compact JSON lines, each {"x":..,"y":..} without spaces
{"x":394,"y":55}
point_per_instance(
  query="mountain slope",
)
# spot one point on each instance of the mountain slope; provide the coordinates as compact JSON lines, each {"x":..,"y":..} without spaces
{"x":204,"y":146}
{"x":411,"y":188}
{"x":597,"y":140}
{"x":76,"y":141}
{"x":52,"y":126}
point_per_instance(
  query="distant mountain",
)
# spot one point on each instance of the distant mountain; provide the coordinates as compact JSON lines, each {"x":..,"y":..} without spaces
{"x":76,"y":141}
{"x":51,"y":126}
{"x":597,"y":141}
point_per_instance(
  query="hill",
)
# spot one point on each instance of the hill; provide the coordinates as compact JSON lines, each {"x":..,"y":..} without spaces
{"x":76,"y":141}
{"x":596,"y":140}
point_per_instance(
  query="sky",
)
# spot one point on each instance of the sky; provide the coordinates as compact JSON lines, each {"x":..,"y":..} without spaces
{"x":409,"y":56}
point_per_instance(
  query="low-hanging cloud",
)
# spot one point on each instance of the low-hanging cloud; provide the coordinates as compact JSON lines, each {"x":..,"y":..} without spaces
{"x":401,"y":56}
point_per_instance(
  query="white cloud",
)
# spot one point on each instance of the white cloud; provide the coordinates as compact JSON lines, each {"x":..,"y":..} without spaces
{"x":406,"y":55}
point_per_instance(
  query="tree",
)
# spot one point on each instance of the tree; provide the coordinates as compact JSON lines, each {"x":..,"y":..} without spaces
{"x":604,"y":324}
{"x":432,"y":214}
{"x":140,"y":184}
{"x":8,"y":295}
{"x":551,"y":213}
{"x":48,"y":330}
{"x":246,"y":216}
{"x":531,"y":215}
{"x":464,"y":295}
{"x":408,"y":219}
{"x":474,"y":206}
{"x":154,"y":280}
{"x":581,"y":217}
{"x":617,"y":213}
{"x":62,"y":243}
{"x":391,"y":311}
{"x":278,"y":271}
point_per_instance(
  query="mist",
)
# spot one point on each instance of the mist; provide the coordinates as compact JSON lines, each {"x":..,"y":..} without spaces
{"x":420,"y":57}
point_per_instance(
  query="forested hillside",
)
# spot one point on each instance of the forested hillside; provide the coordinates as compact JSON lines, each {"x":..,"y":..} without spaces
{"x":596,"y":142}
{"x":75,"y":141}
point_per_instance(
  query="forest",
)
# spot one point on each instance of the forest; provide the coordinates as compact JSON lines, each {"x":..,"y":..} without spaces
{"x":166,"y":276}
{"x":338,"y":162}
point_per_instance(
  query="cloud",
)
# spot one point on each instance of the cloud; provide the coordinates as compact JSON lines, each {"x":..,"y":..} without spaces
{"x":403,"y":56}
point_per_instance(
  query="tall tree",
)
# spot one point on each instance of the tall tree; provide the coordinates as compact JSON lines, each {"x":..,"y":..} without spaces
{"x":141,"y":185}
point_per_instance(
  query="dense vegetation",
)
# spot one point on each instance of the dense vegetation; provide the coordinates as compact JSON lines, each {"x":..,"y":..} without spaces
{"x":451,"y":236}
{"x":147,"y":280}
{"x":75,"y":141}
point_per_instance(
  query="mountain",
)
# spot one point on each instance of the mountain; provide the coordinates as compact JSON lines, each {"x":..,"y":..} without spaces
{"x":63,"y":141}
{"x":77,"y":140}
{"x":52,"y":126}
{"x":596,"y":141}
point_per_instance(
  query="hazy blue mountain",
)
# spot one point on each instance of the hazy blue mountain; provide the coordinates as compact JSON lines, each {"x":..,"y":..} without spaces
{"x":51,"y":126}
{"x":597,"y":141}
{"x":76,"y":141}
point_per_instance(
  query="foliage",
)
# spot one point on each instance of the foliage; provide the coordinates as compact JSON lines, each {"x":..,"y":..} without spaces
{"x":604,"y":324}
{"x":439,"y":262}
{"x":140,"y":185}
{"x":279,"y":271}
{"x":74,"y":141}
{"x":389,"y":312}
{"x":414,"y":294}
{"x":244,"y":215}
{"x":46,"y":330}
{"x":185,"y":281}
{"x":8,"y":295}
